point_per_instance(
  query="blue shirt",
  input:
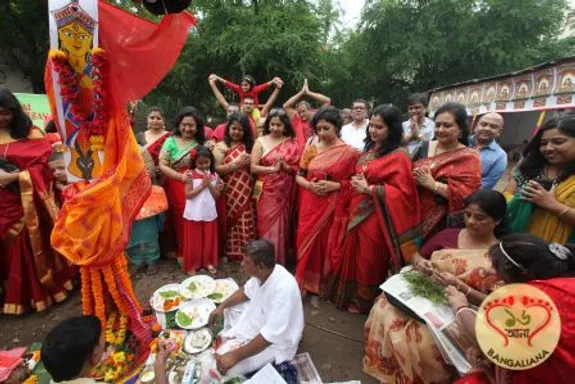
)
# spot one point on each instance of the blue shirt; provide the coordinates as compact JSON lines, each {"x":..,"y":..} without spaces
{"x":493,"y":163}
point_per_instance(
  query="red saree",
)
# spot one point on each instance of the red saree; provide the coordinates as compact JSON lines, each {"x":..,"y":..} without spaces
{"x":34,"y":275}
{"x":155,"y":147}
{"x":240,"y":210}
{"x":274,"y":206}
{"x":381,"y":233}
{"x":317,"y":214}
{"x":461,"y":171}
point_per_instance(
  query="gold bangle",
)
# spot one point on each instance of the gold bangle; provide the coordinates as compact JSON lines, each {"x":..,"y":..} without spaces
{"x":563,"y":212}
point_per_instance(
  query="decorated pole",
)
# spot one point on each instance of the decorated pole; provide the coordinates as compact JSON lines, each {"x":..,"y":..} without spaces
{"x":90,"y":79}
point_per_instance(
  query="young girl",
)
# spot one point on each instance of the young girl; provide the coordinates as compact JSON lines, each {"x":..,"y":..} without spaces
{"x":247,"y":87}
{"x":203,"y":187}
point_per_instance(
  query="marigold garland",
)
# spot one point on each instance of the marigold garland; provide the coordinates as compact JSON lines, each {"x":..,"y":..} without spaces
{"x":98,"y":293}
{"x":32,"y":379}
{"x":113,"y":289}
{"x":87,"y":302}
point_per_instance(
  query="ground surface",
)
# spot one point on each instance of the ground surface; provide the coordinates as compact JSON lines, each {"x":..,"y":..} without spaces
{"x":333,"y":338}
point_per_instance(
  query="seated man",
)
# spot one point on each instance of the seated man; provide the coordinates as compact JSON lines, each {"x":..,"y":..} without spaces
{"x":75,"y":346}
{"x":263,"y":321}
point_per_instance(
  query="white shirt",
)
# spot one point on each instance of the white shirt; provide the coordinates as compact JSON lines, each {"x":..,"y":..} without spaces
{"x":353,"y":135}
{"x":426,"y":133}
{"x":203,"y":206}
{"x":275,"y":311}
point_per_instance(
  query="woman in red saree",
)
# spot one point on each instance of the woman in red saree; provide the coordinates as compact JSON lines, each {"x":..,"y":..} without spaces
{"x":325,"y":171}
{"x":274,"y":160}
{"x":382,"y":227}
{"x":175,"y":161}
{"x":446,"y":171}
{"x":232,"y":157}
{"x":33,"y":274}
{"x":550,"y":267}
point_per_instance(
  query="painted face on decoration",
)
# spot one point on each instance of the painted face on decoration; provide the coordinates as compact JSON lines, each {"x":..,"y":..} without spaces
{"x":236,"y":132}
{"x":446,"y":129}
{"x":188,"y":127}
{"x":378,"y":130}
{"x":325,"y":131}
{"x":155,"y":121}
{"x":75,"y":39}
{"x":557,"y":147}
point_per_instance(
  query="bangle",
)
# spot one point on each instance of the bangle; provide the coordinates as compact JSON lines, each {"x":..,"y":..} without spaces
{"x":462,"y":308}
{"x":563,"y":212}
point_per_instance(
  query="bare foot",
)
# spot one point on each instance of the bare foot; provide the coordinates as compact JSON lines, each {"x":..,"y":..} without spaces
{"x":191,"y":273}
{"x":212,"y":270}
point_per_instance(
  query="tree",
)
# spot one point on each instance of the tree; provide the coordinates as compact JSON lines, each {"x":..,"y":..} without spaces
{"x":24,"y":39}
{"x":404,"y":46}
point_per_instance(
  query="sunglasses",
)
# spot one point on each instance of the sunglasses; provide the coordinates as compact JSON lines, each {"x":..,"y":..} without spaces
{"x":277,"y":112}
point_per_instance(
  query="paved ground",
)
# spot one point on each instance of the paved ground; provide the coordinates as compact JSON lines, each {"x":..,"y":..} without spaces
{"x":333,"y":338}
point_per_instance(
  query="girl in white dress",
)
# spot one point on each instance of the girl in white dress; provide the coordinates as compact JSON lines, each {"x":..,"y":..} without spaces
{"x":202,"y":188}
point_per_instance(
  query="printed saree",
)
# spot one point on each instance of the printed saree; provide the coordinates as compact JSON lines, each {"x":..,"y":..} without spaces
{"x":318,"y":214}
{"x":523,"y":216}
{"x":381,"y":232}
{"x":179,"y":160}
{"x":276,"y":201}
{"x":400,"y":349}
{"x":35,"y":276}
{"x":240,"y":210}
{"x":461,"y":171}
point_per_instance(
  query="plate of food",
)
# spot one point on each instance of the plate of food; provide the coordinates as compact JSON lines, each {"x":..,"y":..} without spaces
{"x":198,"y":341}
{"x":194,"y":314}
{"x":224,"y":289}
{"x":167,"y":298}
{"x":197,"y":287}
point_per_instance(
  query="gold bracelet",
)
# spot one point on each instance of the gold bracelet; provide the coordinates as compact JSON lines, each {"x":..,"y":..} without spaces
{"x":563,"y":212}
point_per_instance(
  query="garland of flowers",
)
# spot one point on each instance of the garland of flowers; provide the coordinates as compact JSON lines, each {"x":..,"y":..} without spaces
{"x":98,"y":293}
{"x":69,"y":81}
{"x":87,"y":302}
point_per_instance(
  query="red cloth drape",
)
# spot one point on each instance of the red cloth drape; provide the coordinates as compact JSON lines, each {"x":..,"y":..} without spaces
{"x":142,"y":51}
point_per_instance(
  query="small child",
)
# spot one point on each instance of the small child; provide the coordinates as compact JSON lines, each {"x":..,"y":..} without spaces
{"x":248,"y":87}
{"x":203,"y":187}
{"x":58,"y":166}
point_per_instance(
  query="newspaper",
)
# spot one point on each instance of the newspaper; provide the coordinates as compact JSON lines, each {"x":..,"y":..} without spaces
{"x":440,"y":319}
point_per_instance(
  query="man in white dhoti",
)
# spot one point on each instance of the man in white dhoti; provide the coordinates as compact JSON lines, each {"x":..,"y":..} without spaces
{"x":263,"y":320}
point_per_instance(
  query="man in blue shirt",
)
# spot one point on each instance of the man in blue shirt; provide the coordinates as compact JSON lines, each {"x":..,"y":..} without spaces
{"x":493,"y":157}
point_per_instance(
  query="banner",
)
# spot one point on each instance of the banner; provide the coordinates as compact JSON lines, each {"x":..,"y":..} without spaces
{"x":36,"y":107}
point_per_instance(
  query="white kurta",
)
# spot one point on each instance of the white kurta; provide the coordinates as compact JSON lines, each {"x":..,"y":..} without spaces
{"x":275,"y":311}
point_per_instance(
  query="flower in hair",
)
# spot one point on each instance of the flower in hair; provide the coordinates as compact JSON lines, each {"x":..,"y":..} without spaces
{"x":560,"y":251}
{"x":193,"y":154}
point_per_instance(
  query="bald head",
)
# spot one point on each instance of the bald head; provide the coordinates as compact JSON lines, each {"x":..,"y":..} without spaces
{"x":488,"y":128}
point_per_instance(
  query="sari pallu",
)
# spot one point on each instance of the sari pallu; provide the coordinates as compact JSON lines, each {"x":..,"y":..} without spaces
{"x":400,"y":349}
{"x":240,"y":223}
{"x":319,"y":214}
{"x":524,"y":216}
{"x":153,"y":148}
{"x":35,"y":276}
{"x":179,"y":160}
{"x":461,"y":171}
{"x":381,"y":233}
{"x":275,"y":203}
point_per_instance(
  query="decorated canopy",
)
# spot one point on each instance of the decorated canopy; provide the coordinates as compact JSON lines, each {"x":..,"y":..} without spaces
{"x":546,"y":86}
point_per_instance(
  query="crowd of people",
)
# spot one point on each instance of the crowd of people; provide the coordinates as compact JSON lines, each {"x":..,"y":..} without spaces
{"x":346,"y":197}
